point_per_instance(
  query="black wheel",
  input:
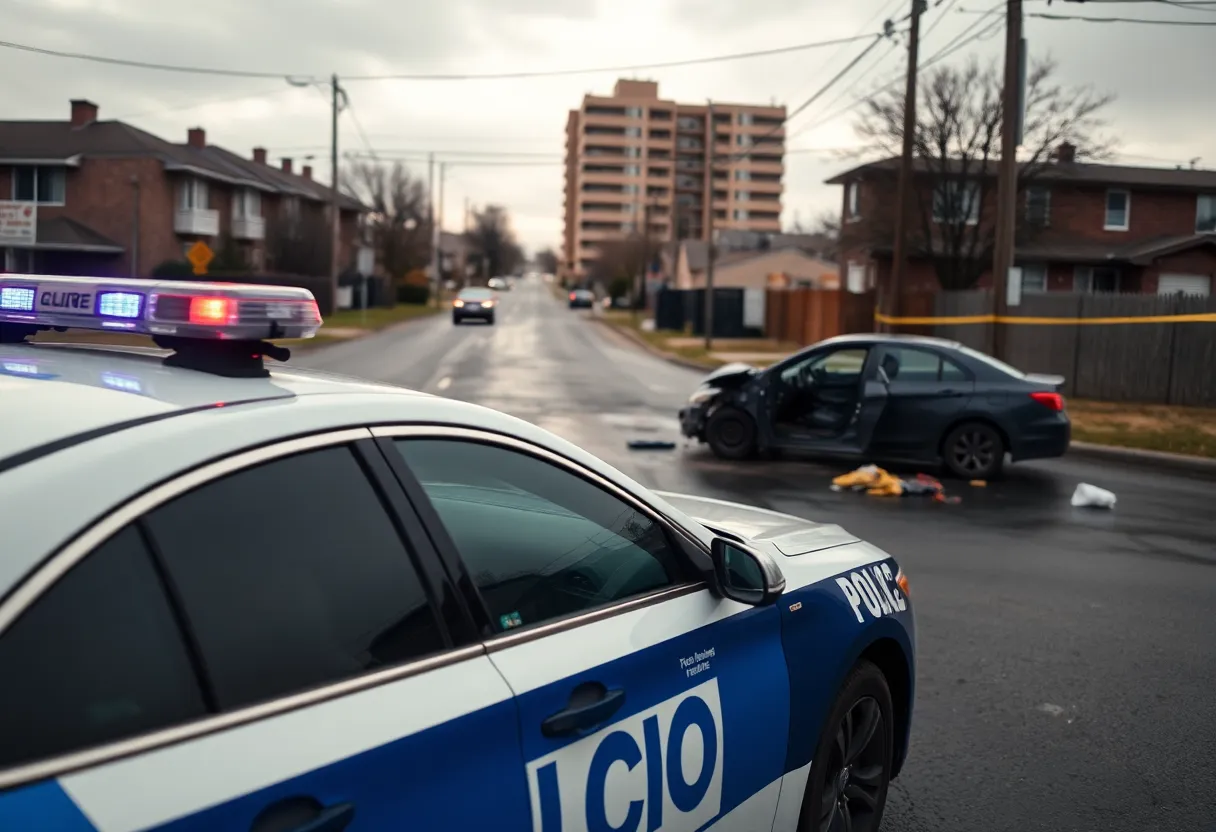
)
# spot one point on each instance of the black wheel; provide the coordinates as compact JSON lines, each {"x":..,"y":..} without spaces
{"x":974,"y":451}
{"x":490,"y":321}
{"x":846,"y":790}
{"x":731,"y":434}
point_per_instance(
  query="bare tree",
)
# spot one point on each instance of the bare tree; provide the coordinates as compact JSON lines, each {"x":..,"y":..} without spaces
{"x":399,"y":224}
{"x":546,"y":261}
{"x":956,"y":148}
{"x":619,"y":263}
{"x":493,"y":242}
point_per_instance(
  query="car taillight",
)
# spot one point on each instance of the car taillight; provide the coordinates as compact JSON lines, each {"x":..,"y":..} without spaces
{"x":572,"y":296}
{"x":1052,"y":401}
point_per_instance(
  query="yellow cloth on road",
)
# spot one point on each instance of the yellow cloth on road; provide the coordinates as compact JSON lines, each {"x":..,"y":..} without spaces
{"x":876,"y":481}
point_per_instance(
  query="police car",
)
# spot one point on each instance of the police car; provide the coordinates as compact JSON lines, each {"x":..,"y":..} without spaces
{"x":239,"y":596}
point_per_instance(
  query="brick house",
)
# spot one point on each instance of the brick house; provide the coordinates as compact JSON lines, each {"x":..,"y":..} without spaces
{"x":111,"y":199}
{"x":1081,"y":227}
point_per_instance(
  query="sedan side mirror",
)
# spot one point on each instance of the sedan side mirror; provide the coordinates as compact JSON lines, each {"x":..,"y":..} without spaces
{"x":745,"y":575}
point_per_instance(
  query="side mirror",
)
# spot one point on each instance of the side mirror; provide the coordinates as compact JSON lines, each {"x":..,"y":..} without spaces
{"x":745,"y":575}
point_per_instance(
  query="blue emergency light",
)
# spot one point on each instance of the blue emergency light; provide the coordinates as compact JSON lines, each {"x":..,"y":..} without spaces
{"x":169,"y":309}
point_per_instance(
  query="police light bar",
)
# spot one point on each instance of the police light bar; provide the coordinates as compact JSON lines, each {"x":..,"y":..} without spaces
{"x":196,"y":310}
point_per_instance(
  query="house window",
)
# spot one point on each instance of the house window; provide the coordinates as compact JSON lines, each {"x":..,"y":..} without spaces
{"x":1205,"y":217}
{"x":743,"y":175}
{"x":1038,"y":207}
{"x":633,"y":112}
{"x":740,"y":214}
{"x":632,"y":170}
{"x":43,"y":185}
{"x":955,"y":202}
{"x":853,"y":208}
{"x":629,"y":189}
{"x":746,"y":119}
{"x":633,"y":132}
{"x":192,"y":195}
{"x":246,"y":204}
{"x":1095,"y":279}
{"x":633,"y":152}
{"x":1034,"y":277}
{"x":1118,"y":210}
{"x":742,"y":196}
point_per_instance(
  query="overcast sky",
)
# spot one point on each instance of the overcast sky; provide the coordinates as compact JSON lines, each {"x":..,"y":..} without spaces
{"x":1165,"y":113}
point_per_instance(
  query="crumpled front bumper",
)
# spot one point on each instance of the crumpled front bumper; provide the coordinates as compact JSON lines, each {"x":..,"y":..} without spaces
{"x":692,"y":421}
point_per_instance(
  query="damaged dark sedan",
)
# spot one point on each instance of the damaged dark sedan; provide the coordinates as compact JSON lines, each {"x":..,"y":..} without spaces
{"x":894,"y":398}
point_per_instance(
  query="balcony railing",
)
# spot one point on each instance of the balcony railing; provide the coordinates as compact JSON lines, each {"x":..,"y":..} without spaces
{"x":204,"y":222}
{"x":249,"y":228}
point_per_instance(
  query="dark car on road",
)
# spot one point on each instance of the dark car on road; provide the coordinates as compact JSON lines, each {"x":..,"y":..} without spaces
{"x":474,"y":303}
{"x":582,"y":299}
{"x":883,"y":397}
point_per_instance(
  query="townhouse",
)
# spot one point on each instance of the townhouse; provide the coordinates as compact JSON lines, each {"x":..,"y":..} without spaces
{"x":86,"y":196}
{"x":1081,"y":227}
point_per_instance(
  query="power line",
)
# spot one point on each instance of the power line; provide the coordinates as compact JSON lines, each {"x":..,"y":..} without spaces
{"x":1144,"y":20}
{"x":241,"y":73}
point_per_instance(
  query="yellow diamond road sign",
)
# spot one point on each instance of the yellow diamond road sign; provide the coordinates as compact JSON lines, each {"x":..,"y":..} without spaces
{"x":200,"y":255}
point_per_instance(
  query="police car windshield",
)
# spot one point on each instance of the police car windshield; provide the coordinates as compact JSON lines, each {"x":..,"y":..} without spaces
{"x":992,"y":362}
{"x":476,"y":294}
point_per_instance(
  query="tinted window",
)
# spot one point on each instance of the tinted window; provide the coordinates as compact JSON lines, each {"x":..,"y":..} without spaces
{"x":995,"y":363}
{"x":540,"y":541}
{"x":292,"y":575}
{"x":904,"y":364}
{"x":98,"y":658}
{"x":837,"y":367}
{"x":953,"y":372}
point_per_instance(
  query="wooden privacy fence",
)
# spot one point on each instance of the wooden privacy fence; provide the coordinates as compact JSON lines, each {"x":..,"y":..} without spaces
{"x":1107,"y":346}
{"x":805,"y":316}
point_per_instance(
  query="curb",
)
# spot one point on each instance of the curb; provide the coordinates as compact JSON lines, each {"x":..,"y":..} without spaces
{"x":1194,"y":465}
{"x":637,"y":340}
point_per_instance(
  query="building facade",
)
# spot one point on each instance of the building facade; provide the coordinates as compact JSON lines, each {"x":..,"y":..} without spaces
{"x":85,"y":196}
{"x":1081,"y":227}
{"x":637,"y":164}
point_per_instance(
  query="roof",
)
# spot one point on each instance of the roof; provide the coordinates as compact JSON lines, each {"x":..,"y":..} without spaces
{"x":67,"y":233}
{"x":890,"y":337}
{"x":60,"y":142}
{"x":697,"y":252}
{"x":55,"y":392}
{"x":1081,"y":173}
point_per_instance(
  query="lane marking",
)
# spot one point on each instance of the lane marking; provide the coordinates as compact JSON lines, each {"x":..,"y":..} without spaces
{"x":444,"y":383}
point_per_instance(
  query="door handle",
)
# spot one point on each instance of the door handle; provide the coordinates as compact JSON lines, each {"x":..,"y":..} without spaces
{"x":582,"y":715}
{"x":304,"y":814}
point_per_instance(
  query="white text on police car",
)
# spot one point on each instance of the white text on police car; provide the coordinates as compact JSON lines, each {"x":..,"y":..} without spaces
{"x":657,"y":770}
{"x":875,"y":587}
{"x":698,"y":662}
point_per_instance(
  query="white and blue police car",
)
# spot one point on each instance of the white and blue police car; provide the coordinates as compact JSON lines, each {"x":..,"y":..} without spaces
{"x":239,"y":596}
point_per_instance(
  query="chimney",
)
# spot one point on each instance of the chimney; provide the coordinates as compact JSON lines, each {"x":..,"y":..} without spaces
{"x":286,"y":165}
{"x":1066,"y":153}
{"x":84,"y":112}
{"x":196,"y":137}
{"x":259,"y":155}
{"x":306,"y":172}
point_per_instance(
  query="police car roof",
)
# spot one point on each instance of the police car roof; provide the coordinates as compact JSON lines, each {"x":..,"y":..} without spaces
{"x":59,"y":393}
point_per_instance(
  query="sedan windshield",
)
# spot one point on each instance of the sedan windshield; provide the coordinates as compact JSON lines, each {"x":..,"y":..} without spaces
{"x":476,"y":294}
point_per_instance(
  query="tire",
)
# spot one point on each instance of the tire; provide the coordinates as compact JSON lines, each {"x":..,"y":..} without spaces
{"x":731,"y":434}
{"x":848,"y":775}
{"x":974,"y":451}
{"x":490,"y":320}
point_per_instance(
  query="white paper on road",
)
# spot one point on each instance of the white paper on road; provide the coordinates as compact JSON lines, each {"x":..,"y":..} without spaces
{"x":1093,"y":497}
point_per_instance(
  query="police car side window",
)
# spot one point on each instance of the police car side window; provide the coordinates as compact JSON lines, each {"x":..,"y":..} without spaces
{"x":292,"y":575}
{"x":539,"y":541}
{"x":96,"y":659}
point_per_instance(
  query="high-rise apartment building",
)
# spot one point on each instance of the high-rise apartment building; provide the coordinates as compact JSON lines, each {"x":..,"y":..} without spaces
{"x":632,"y":157}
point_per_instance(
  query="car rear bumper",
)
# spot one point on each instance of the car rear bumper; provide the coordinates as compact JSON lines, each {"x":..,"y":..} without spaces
{"x":474,"y":315}
{"x":1044,"y":440}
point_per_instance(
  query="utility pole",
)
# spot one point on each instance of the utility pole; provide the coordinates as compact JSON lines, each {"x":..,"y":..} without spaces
{"x":1007,"y":182}
{"x":443,"y":168}
{"x":903,"y":195}
{"x":335,"y":217}
{"x":431,"y":219}
{"x":711,"y":141}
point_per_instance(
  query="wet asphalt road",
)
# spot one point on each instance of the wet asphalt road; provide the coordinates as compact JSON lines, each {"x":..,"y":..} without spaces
{"x":1067,"y":657}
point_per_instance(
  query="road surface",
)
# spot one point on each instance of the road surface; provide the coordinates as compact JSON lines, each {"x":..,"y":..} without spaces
{"x":1067,"y":657}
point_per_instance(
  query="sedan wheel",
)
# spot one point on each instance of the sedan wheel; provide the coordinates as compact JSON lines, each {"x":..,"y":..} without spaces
{"x":731,"y":434}
{"x":846,"y":790}
{"x":974,"y":451}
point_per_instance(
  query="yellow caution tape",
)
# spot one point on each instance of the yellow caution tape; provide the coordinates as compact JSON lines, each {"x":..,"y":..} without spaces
{"x":1198,"y":318}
